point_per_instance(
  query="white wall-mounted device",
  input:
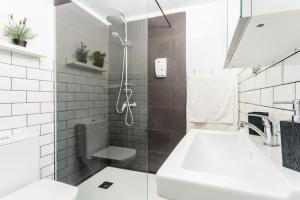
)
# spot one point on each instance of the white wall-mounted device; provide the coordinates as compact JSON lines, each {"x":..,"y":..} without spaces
{"x":161,"y":65}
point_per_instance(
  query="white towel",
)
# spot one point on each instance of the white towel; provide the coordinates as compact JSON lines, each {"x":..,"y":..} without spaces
{"x":211,"y":99}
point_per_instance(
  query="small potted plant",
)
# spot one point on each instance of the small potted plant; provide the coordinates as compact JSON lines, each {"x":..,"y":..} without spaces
{"x":82,"y":53}
{"x":98,"y":58}
{"x":19,"y":32}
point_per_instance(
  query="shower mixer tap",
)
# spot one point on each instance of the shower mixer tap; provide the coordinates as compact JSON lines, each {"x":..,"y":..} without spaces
{"x":127,"y":104}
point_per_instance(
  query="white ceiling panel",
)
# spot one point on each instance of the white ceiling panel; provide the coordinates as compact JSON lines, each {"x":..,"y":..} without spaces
{"x":135,"y":9}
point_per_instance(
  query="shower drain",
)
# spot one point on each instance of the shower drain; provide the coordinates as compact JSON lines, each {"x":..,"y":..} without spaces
{"x":105,"y":185}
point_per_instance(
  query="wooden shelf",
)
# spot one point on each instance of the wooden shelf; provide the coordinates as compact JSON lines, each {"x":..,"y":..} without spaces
{"x":21,"y":50}
{"x":74,"y":63}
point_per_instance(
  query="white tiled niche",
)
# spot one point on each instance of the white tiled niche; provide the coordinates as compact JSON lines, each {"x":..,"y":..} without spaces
{"x":26,"y":103}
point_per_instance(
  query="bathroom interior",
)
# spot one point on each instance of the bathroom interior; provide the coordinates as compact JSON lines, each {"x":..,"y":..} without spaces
{"x":150,"y":100}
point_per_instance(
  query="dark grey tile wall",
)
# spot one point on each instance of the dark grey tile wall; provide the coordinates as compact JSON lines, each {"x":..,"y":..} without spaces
{"x":166,"y":97}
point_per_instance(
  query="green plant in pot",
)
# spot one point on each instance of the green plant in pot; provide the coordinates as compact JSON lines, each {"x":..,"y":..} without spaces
{"x":19,"y":32}
{"x":82,"y":53}
{"x":98,"y":58}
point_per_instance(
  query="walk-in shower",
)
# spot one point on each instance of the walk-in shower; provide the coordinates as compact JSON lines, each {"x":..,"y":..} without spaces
{"x":124,"y":86}
{"x":102,"y":126}
{"x":93,"y":102}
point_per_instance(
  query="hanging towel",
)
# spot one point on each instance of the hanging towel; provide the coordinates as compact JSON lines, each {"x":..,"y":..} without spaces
{"x":211,"y":99}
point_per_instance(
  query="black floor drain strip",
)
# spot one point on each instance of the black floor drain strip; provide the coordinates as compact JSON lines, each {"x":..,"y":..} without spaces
{"x":106,"y":185}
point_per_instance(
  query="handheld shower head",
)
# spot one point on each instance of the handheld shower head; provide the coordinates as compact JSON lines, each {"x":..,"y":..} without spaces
{"x":115,"y":34}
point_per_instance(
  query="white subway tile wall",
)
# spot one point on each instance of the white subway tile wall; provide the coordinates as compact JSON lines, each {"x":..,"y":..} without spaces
{"x":266,"y":96}
{"x":5,"y":110}
{"x":25,"y":84}
{"x":298,"y":90}
{"x":274,"y":75}
{"x":284,"y":93}
{"x":5,"y":56}
{"x":8,"y":70}
{"x":278,"y":83}
{"x":24,"y":60}
{"x":26,"y":103}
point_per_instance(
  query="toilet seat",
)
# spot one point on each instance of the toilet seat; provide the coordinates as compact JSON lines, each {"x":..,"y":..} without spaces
{"x":115,"y":153}
{"x":45,"y":190}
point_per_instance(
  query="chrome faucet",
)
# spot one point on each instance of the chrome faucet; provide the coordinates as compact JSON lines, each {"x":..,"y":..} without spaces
{"x":296,"y":108}
{"x":270,"y":132}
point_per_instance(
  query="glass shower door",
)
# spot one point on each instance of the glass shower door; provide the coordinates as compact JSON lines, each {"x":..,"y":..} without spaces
{"x":102,"y":94}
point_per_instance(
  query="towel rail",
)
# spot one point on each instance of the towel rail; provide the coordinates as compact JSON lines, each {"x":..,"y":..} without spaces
{"x":210,"y":71}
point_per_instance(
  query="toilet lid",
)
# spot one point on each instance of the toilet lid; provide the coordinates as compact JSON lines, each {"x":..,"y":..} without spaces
{"x":45,"y":190}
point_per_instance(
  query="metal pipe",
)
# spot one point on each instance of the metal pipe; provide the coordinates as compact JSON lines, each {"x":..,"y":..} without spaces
{"x":166,"y":18}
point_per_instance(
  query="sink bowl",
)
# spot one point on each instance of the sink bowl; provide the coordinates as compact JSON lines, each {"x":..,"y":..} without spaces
{"x":214,"y":165}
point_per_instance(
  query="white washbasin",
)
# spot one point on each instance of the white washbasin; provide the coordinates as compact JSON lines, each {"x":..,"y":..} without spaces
{"x":214,"y":165}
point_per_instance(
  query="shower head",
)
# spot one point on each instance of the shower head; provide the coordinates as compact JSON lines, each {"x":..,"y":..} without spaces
{"x":116,"y":19}
{"x":115,"y":34}
{"x":119,"y":18}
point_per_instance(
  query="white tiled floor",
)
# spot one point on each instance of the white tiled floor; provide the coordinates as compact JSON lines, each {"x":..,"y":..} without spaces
{"x":127,"y":185}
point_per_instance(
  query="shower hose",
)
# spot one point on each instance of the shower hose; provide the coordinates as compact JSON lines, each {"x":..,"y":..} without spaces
{"x":128,"y":92}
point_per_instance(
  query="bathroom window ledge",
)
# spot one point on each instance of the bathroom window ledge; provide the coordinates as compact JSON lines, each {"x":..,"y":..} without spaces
{"x":21,"y":50}
{"x":74,"y":63}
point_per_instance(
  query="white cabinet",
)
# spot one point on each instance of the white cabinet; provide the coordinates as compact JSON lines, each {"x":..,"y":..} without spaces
{"x":261,"y":32}
{"x":262,"y":7}
{"x":234,"y":15}
{"x":246,"y":7}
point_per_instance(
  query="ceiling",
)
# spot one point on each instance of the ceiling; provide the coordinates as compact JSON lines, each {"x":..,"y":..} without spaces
{"x":135,"y":9}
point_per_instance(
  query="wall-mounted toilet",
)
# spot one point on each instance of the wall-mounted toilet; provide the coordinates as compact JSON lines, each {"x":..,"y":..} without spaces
{"x":93,"y":145}
{"x":20,"y":173}
{"x":46,"y":190}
